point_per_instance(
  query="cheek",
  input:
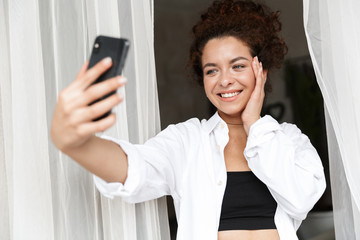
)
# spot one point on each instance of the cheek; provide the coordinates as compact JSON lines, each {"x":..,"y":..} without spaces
{"x":249,"y":80}
{"x":208,"y":86}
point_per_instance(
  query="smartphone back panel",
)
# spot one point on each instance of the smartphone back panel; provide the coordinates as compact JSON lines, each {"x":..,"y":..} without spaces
{"x":117,"y":49}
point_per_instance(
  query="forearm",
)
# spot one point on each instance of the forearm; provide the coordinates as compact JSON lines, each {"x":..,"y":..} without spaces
{"x":103,"y":158}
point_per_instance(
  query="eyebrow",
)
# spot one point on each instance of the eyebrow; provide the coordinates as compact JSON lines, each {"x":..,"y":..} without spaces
{"x":231,"y":61}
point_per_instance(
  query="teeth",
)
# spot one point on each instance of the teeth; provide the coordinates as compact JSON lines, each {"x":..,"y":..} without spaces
{"x":228,"y":95}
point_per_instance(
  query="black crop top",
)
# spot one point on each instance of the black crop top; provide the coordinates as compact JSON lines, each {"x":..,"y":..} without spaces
{"x":247,"y":204}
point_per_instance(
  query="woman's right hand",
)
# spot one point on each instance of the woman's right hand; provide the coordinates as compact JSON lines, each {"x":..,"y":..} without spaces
{"x":72,"y":124}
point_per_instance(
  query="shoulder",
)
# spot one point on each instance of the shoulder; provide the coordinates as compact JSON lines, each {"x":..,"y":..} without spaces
{"x":294,"y":133}
{"x":195,"y":127}
{"x":178,"y":137}
{"x":269,"y":123}
{"x":191,"y":123}
{"x":267,"y":128}
{"x":187,"y":128}
{"x":290,"y":128}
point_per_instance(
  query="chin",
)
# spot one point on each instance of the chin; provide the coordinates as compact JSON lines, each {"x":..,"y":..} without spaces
{"x":234,"y":109}
{"x":230,"y":113}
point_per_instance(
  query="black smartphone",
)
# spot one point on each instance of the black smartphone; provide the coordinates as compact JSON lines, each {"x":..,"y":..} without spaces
{"x":117,"y":49}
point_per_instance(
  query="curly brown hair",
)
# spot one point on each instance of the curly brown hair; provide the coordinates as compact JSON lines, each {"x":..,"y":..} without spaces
{"x":252,"y":23}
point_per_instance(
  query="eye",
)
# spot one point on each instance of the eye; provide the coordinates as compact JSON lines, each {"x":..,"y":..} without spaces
{"x":238,"y":66}
{"x":210,"y":72}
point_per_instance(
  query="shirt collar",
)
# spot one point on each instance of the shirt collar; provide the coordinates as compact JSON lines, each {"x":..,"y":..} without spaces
{"x":212,"y":123}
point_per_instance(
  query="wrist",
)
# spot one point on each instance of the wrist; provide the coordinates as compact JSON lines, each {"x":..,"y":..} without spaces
{"x":81,"y":146}
{"x":248,"y":124}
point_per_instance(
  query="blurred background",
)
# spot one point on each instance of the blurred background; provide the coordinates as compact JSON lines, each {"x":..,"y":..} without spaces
{"x":295,"y":95}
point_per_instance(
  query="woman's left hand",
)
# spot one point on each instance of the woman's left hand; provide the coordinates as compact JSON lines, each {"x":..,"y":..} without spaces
{"x":253,"y":108}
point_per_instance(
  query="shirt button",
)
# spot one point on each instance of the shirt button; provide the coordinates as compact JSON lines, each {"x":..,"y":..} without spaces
{"x":220,"y":183}
{"x":218,"y":147}
{"x":222,"y":125}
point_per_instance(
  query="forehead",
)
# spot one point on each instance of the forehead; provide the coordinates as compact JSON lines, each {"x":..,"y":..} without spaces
{"x":224,"y":48}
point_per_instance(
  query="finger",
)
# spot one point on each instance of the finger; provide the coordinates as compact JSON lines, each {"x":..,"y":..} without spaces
{"x":100,"y":90}
{"x":73,"y":99}
{"x":97,"y":126}
{"x":99,"y":108}
{"x":95,"y":72}
{"x":261,"y":73}
{"x":77,"y":82}
{"x":262,"y":77}
{"x":255,"y":65}
{"x":259,"y":70}
{"x":82,"y":70}
{"x":258,"y":91}
{"x":265,"y":71}
{"x":263,"y":81}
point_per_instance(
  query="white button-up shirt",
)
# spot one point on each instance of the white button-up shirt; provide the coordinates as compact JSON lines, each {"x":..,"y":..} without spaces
{"x":186,"y":161}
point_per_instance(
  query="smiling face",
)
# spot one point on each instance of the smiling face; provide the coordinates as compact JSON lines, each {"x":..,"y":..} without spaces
{"x":229,"y":79}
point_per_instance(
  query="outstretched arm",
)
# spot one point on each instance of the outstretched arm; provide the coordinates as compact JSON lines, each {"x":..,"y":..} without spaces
{"x":73,"y":128}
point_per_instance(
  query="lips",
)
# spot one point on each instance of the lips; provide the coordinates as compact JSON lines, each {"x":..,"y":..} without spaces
{"x":229,"y":94}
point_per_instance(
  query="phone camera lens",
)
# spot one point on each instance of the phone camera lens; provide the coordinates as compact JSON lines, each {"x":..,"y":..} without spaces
{"x":96,"y":47}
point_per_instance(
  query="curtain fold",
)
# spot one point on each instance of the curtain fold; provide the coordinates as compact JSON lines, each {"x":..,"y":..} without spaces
{"x":43,"y":193}
{"x":5,"y":126}
{"x":333,"y":37}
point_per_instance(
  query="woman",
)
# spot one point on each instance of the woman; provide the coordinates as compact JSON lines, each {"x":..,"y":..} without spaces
{"x":234,"y":176}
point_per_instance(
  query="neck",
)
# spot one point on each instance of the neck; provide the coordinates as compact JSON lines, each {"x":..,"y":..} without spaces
{"x":234,"y":124}
{"x":231,"y":120}
{"x":236,"y":131}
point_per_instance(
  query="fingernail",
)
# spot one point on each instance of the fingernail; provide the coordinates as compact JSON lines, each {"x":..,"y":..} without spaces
{"x":255,"y":58}
{"x":122,"y":80}
{"x":107,"y":61}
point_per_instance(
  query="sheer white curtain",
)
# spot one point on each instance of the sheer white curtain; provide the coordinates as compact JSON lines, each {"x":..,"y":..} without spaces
{"x":333,"y":35}
{"x":43,"y":193}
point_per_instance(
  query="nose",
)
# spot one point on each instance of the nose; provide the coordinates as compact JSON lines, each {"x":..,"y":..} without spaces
{"x":226,"y":80}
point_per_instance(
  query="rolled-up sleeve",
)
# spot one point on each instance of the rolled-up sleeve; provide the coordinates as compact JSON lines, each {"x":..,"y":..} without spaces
{"x":284,"y":159}
{"x":153,"y":168}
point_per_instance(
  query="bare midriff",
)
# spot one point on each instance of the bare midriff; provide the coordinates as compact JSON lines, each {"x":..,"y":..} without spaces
{"x":268,"y":234}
